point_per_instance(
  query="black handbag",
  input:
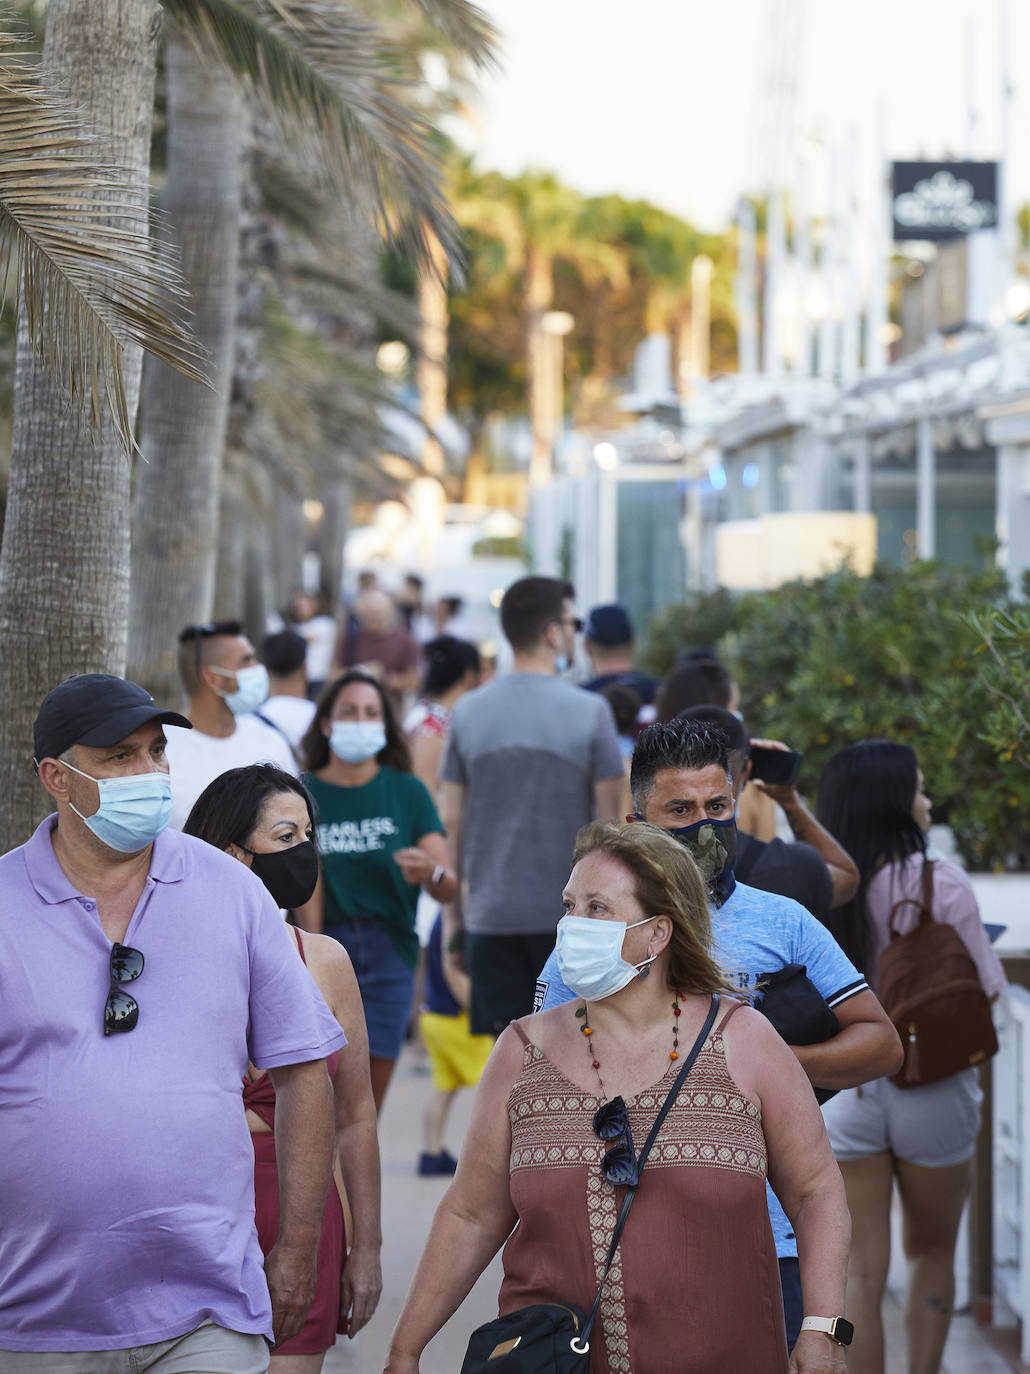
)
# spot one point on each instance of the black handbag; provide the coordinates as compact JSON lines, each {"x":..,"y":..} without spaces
{"x":554,"y":1337}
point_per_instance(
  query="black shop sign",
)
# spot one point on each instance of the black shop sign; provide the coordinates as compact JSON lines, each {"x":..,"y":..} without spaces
{"x":943,"y":200}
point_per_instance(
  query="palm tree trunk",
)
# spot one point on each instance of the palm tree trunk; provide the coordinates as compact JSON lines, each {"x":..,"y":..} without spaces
{"x":291,"y":540}
{"x":337,"y":494}
{"x":259,"y":491}
{"x":232,"y":540}
{"x":175,"y":507}
{"x":64,"y":564}
{"x":257,"y":586}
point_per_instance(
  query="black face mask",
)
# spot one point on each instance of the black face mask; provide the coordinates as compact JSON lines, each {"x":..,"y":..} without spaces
{"x":289,"y":874}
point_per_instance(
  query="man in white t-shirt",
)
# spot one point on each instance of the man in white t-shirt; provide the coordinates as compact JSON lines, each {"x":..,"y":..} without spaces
{"x":225,"y":684}
{"x":288,"y":707}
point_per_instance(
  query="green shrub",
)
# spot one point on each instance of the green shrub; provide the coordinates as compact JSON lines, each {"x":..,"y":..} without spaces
{"x":983,"y":728}
{"x":707,"y":618}
{"x":826,"y":663}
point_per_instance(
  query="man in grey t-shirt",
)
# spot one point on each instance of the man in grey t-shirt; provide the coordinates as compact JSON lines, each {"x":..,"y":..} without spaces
{"x":530,"y":759}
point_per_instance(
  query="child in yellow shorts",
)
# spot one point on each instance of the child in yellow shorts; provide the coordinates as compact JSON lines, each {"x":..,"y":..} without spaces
{"x":456,"y":1057}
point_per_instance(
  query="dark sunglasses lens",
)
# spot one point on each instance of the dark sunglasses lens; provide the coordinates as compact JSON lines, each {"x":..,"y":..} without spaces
{"x":619,"y":1167}
{"x":610,"y":1120}
{"x":126,"y":964}
{"x":577,"y":625}
{"x":120,"y":1013}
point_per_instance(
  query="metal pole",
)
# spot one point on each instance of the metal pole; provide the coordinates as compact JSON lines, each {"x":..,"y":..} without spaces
{"x":772,"y":358}
{"x":926,"y":474}
{"x":877,"y":309}
{"x":1004,"y":258}
{"x":607,"y":536}
{"x":700,"y":316}
{"x":849,"y":334}
{"x":803,"y":255}
{"x":863,"y":475}
{"x":829,"y":324}
{"x":971,"y":118}
{"x":747,"y":324}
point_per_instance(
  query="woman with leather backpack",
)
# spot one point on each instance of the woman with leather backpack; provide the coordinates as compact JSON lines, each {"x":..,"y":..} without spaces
{"x":914,"y":929}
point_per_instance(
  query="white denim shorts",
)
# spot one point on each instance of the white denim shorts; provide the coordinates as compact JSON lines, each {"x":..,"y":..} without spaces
{"x":934,"y":1126}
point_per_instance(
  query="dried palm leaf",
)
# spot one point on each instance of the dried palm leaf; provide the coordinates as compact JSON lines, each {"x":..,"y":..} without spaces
{"x":329,"y":77}
{"x":73,"y":236}
{"x":466,"y":27}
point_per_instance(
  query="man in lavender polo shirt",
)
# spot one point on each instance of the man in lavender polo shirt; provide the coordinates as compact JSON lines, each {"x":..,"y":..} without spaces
{"x":139,"y":969}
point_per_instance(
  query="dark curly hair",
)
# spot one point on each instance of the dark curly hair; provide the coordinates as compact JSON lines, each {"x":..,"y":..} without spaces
{"x":690,"y":744}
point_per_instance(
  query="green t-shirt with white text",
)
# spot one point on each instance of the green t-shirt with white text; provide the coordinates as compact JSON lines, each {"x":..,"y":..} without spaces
{"x":358,"y":830}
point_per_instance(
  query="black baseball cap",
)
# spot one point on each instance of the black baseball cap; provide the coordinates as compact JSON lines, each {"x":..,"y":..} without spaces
{"x":97,"y":709}
{"x":609,"y":625}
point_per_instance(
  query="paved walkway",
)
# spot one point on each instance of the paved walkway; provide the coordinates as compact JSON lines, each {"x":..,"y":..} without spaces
{"x":408,"y":1206}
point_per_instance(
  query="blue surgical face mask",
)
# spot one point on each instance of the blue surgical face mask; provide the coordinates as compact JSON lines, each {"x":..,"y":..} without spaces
{"x":356,"y":741}
{"x":133,"y":811}
{"x":562,"y":663}
{"x":590,"y":956}
{"x":251,"y":688}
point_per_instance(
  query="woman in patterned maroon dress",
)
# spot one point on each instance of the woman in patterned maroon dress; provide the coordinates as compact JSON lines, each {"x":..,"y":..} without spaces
{"x":695,"y":1286}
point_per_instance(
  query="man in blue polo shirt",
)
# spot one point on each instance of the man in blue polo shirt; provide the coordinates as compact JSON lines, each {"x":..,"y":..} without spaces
{"x":139,"y":970}
{"x":681,"y":781}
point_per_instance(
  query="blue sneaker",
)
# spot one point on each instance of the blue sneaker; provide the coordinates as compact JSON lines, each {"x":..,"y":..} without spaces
{"x":448,"y":1163}
{"x":442,"y":1164}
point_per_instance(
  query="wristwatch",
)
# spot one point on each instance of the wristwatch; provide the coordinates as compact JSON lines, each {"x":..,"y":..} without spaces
{"x":838,"y":1329}
{"x":439,"y":873}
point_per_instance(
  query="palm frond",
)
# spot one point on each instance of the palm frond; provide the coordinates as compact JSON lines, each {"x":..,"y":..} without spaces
{"x":90,"y":277}
{"x":466,"y":27}
{"x":329,"y":77}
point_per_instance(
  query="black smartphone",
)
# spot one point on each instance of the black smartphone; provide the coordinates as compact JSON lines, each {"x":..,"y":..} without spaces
{"x":778,"y":766}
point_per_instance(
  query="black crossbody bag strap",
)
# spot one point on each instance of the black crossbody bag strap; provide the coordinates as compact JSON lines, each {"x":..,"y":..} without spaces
{"x":582,"y":1343}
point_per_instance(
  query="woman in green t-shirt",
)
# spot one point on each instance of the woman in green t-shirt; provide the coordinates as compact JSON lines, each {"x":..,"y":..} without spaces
{"x":380,"y":840}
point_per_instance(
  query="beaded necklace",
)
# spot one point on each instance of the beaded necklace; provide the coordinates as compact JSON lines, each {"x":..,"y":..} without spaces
{"x":587,"y":1031}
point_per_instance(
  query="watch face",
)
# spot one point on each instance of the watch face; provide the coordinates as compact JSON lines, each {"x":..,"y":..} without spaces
{"x":843,"y":1332}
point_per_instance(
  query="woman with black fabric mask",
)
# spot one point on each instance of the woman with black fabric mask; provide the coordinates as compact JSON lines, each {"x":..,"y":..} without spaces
{"x":264,"y":818}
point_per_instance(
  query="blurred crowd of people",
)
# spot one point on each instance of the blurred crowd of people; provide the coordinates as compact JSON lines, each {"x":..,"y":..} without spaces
{"x":377,"y":630}
{"x":607,"y":899}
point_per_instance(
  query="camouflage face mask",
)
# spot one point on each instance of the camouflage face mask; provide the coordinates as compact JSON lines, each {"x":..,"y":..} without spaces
{"x":713,"y":847}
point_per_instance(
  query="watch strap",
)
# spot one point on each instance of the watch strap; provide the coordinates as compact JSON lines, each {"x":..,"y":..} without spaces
{"x":837,"y":1328}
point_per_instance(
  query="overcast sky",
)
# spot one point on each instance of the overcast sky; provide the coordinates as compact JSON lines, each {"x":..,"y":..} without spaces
{"x":669,"y":99}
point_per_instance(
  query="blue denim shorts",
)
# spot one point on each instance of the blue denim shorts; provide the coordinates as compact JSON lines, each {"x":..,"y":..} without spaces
{"x":386,"y":983}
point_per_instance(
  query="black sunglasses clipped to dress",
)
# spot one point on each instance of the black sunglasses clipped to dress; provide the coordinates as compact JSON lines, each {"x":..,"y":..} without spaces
{"x":121,"y":1011}
{"x":619,"y":1165}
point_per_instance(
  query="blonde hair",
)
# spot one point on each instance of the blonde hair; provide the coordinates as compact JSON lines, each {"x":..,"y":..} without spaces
{"x":666,"y":883}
